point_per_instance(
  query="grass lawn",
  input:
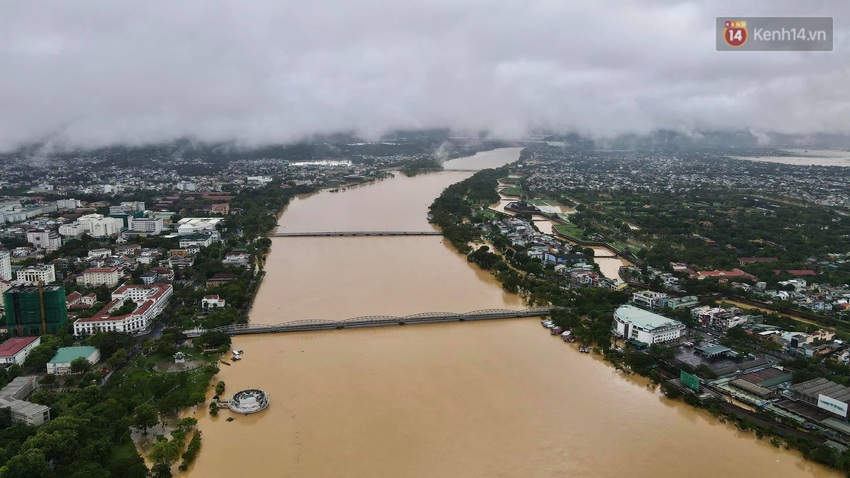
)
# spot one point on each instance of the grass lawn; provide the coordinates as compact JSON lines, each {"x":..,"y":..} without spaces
{"x":571,"y":230}
{"x":512,"y":191}
{"x":487,"y":213}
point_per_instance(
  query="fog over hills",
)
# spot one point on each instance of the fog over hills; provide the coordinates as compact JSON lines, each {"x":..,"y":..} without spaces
{"x":96,"y":73}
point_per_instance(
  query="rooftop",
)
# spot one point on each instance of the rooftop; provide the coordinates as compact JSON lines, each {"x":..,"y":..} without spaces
{"x":768,"y":377}
{"x":817,"y":386}
{"x":713,"y":349}
{"x":15,"y":345}
{"x":68,"y":354}
{"x":644,"y":318}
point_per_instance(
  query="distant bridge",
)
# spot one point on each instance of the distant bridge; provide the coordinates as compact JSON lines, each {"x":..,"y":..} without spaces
{"x":372,"y":321}
{"x":355,"y":233}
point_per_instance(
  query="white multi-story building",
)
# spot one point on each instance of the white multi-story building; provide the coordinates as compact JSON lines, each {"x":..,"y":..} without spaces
{"x":68,"y":204}
{"x":99,"y":276}
{"x":150,"y":301}
{"x":72,"y":229}
{"x":195,"y":225}
{"x":186,"y":186}
{"x":633,"y":323}
{"x":145,"y":225}
{"x":649,"y":299}
{"x":212,"y":302}
{"x":44,"y":239}
{"x":5,"y":265}
{"x":196,"y":240}
{"x":44,"y":273}
{"x":127,"y":208}
{"x":97,"y":225}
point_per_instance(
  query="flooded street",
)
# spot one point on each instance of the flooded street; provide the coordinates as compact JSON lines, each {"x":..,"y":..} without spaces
{"x":475,"y":399}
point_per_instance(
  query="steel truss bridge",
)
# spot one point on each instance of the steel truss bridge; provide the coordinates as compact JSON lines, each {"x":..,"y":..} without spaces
{"x":372,"y":321}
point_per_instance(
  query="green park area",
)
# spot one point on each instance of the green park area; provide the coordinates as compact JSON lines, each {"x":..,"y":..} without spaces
{"x":512,"y":191}
{"x":571,"y":230}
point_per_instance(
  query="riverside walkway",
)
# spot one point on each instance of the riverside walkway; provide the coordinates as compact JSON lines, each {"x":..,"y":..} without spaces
{"x":355,"y":233}
{"x":373,"y":321}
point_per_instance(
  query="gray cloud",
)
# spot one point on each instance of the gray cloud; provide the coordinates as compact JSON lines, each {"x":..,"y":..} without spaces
{"x":93,"y":73}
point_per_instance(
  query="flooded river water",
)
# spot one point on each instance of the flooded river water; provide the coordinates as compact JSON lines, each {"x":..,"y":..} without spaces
{"x":483,"y":399}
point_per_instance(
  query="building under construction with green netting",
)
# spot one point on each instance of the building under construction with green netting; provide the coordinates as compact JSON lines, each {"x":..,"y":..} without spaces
{"x":35,"y":310}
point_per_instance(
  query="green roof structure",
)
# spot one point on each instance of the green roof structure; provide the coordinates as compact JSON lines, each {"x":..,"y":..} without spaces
{"x":68,"y":354}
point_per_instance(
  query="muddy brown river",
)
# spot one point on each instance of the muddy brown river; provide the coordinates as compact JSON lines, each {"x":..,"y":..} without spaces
{"x":484,"y":399}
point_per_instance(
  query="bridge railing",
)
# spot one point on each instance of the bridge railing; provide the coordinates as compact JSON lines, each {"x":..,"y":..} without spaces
{"x":372,"y":320}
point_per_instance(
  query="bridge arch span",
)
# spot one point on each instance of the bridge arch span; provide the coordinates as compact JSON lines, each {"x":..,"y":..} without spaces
{"x":371,"y":319}
{"x":490,"y":311}
{"x":305,"y":323}
{"x":430,"y":315}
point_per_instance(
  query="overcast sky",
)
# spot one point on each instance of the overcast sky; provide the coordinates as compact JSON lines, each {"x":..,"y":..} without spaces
{"x":89,"y":73}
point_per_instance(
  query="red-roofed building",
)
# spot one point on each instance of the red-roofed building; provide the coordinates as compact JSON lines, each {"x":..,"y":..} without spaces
{"x":73,"y":299}
{"x":212,"y":302}
{"x":220,"y":208}
{"x":797,"y":272}
{"x":16,"y":349}
{"x":150,"y":300}
{"x":89,"y":299}
{"x":737,"y":273}
{"x":753,"y":260}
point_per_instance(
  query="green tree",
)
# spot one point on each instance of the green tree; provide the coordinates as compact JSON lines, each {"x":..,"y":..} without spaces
{"x":161,"y":470}
{"x":90,"y":470}
{"x":165,"y":451}
{"x":80,"y":365}
{"x":144,"y":417}
{"x":109,"y":342}
{"x":119,"y":357}
{"x":214,"y":338}
{"x":28,"y":464}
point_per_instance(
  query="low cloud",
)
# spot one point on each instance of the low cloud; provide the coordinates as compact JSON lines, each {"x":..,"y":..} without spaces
{"x":94,"y":73}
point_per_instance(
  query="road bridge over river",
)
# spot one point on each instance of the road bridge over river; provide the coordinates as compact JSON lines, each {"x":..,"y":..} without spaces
{"x":355,"y":233}
{"x":373,"y":321}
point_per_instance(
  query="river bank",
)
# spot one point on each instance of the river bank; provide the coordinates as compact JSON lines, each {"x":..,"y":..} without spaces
{"x":459,"y":203}
{"x":465,"y":399}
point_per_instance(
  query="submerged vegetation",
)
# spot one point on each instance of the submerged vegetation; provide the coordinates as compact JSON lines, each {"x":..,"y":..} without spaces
{"x":587,"y":313}
{"x":418,"y":166}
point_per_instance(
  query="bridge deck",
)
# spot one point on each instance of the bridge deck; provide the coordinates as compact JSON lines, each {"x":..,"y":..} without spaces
{"x":354,"y":233}
{"x":373,"y":321}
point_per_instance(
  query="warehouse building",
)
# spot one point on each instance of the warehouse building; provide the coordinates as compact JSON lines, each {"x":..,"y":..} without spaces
{"x":60,"y":364}
{"x":824,"y":394}
{"x":763,"y":383}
